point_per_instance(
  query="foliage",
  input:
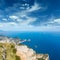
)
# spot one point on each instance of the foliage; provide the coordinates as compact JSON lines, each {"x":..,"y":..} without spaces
{"x":10,"y":51}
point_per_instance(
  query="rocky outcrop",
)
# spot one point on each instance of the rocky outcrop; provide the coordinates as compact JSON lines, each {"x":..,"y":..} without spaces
{"x":42,"y":56}
{"x":26,"y":53}
{"x":14,"y":51}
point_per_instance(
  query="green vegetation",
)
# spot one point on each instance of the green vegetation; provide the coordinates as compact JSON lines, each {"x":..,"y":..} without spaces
{"x":8,"y":52}
{"x":17,"y":58}
{"x":41,"y":59}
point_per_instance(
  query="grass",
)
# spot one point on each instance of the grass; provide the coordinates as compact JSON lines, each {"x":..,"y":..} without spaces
{"x":9,"y":50}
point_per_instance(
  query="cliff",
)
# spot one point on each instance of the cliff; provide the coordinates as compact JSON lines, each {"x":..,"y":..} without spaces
{"x":10,"y":50}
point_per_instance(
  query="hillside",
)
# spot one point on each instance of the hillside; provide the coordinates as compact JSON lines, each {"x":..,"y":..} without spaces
{"x":10,"y":50}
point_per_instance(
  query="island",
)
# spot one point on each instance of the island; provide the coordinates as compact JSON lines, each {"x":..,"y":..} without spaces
{"x":12,"y":49}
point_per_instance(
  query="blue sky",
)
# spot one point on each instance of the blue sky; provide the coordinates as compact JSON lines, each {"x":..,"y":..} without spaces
{"x":30,"y":15}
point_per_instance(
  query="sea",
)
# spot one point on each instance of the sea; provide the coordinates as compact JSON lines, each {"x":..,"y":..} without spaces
{"x":41,"y":42}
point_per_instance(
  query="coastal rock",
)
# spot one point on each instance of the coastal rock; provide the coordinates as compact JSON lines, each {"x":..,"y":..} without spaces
{"x":10,"y":49}
{"x":26,"y":53}
{"x":42,"y":56}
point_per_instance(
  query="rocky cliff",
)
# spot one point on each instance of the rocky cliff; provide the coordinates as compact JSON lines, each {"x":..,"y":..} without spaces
{"x":9,"y":50}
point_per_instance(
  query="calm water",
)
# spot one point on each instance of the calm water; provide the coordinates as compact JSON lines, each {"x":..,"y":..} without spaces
{"x":41,"y":42}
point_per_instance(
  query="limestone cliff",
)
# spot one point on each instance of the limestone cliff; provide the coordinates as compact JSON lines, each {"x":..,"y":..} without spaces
{"x":10,"y":50}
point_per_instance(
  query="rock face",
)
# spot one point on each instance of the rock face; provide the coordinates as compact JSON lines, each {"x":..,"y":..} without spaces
{"x":13,"y":51}
{"x":26,"y":53}
{"x":42,"y":56}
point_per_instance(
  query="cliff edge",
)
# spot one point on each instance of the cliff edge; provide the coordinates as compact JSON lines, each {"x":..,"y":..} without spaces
{"x":11,"y":50}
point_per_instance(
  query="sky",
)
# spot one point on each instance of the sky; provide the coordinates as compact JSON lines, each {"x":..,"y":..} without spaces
{"x":30,"y":15}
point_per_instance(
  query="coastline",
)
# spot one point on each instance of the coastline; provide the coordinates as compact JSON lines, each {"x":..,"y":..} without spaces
{"x":22,"y":51}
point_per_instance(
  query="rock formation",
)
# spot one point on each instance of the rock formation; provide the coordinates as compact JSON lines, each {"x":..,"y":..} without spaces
{"x":10,"y":50}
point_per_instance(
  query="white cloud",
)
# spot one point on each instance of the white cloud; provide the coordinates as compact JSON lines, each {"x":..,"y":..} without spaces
{"x":49,"y":28}
{"x":9,"y":27}
{"x":12,"y":24}
{"x":54,"y":22}
{"x":57,"y":21}
{"x":21,"y":25}
{"x":34,"y":7}
{"x":23,"y":15}
{"x":28,"y":21}
{"x":15,"y":27}
{"x":4,"y":19}
{"x":25,"y":25}
{"x":13,"y":17}
{"x":21,"y":21}
{"x":1,"y":25}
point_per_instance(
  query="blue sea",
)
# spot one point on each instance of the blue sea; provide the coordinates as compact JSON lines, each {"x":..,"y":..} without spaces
{"x":41,"y":42}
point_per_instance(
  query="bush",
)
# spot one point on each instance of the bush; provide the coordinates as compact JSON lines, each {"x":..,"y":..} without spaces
{"x":17,"y":58}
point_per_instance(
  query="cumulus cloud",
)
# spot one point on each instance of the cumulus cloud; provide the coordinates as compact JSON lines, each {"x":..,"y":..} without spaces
{"x":13,"y":17}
